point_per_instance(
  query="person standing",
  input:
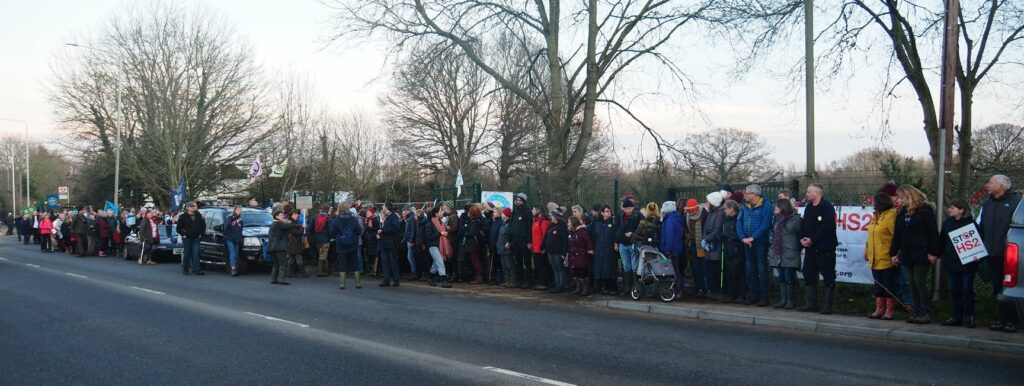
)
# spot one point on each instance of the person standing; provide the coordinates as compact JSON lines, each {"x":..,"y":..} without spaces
{"x":784,"y":253}
{"x":93,"y":234}
{"x":915,"y":245}
{"x":818,"y":238}
{"x":581,"y":249}
{"x":233,"y":238}
{"x":278,"y":246}
{"x":648,"y":231}
{"x":45,"y":230}
{"x":473,"y":242}
{"x":876,"y":252}
{"x":388,"y":237}
{"x":80,"y":228}
{"x":322,"y":240}
{"x":993,"y":224}
{"x":503,"y":245}
{"x":58,"y":237}
{"x":961,"y":276}
{"x":712,"y":230}
{"x":345,"y":230}
{"x":409,"y":239}
{"x":606,"y":269}
{"x":150,"y":234}
{"x":435,"y":236}
{"x":495,"y":267}
{"x":732,"y":250}
{"x":625,"y":225}
{"x":555,"y":245}
{"x":295,"y":245}
{"x":673,"y":230}
{"x":698,"y":256}
{"x":754,"y":224}
{"x":191,"y":226}
{"x":536,"y":274}
{"x":519,"y":237}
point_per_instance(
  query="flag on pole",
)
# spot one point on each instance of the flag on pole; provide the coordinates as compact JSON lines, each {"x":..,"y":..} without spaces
{"x":179,"y":195}
{"x":256,"y":170}
{"x":278,"y":170}
{"x":111,"y":207}
{"x":458,"y":184}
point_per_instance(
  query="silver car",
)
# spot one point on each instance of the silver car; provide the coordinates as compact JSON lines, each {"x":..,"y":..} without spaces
{"x":1011,"y":301}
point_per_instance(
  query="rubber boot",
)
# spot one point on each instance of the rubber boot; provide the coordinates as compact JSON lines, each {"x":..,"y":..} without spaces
{"x":344,"y":278}
{"x":828,"y":301}
{"x":579,"y":286}
{"x":879,"y":309}
{"x":586,"y":287}
{"x":810,"y":299}
{"x":359,"y":282}
{"x":890,"y":309}
{"x":783,"y":296}
{"x":791,"y":297}
{"x":445,"y":283}
{"x":627,"y":283}
{"x":321,"y":268}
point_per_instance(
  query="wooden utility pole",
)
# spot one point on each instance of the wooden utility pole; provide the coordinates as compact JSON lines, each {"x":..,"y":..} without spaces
{"x":809,"y":82}
{"x":950,"y":52}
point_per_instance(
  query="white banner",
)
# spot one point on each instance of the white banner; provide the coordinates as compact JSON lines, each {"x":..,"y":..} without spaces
{"x":499,"y":199}
{"x":852,"y":231}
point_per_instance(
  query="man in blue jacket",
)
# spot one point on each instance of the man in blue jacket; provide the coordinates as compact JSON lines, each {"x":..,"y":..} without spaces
{"x":752,"y":227}
{"x":673,"y":228}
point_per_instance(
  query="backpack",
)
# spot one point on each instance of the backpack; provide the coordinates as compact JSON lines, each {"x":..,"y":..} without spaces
{"x":321,"y":224}
{"x":348,"y":235}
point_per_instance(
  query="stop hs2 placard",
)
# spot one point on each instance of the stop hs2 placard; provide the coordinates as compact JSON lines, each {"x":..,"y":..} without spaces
{"x":968,"y":244}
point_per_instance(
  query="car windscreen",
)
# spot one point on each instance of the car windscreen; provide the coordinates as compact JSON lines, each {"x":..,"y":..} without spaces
{"x":1018,"y":215}
{"x":256,"y":219}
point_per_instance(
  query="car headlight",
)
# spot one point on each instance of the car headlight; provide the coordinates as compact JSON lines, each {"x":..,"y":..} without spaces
{"x":251,"y":242}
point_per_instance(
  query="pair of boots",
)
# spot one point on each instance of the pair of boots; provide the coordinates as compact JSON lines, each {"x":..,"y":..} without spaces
{"x":321,"y":268}
{"x":344,"y":279}
{"x":582,"y":287}
{"x":885,"y":309}
{"x":788,"y":300}
{"x":811,"y":297}
{"x":627,"y":281}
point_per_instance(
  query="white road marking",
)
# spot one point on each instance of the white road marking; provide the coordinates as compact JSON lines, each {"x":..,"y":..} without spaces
{"x":527,"y":376}
{"x":3,"y":258}
{"x":277,"y":319}
{"x":76,"y":275}
{"x":149,"y":290}
{"x":32,"y":265}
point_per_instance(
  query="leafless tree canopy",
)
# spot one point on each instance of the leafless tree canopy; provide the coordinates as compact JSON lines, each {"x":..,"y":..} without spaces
{"x":727,"y":155}
{"x":999,"y":150}
{"x":192,"y":97}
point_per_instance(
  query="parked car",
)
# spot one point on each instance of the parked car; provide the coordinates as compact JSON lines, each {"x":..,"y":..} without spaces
{"x":1011,"y":300}
{"x":169,"y":247}
{"x":255,"y":231}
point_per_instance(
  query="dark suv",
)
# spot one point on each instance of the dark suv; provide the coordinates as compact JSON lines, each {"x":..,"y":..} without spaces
{"x":255,"y":231}
{"x":1012,"y":298}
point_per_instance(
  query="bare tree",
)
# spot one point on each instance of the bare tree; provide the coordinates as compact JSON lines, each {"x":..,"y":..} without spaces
{"x":620,"y":36}
{"x":727,"y":155}
{"x":193,"y":97}
{"x":1000,"y":149}
{"x":440,"y":107}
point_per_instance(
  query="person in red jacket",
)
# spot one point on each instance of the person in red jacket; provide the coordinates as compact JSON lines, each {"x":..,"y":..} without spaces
{"x":537,"y":275}
{"x":45,"y":229}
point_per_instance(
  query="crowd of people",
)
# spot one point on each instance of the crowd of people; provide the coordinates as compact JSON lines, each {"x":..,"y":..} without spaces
{"x":731,"y":242}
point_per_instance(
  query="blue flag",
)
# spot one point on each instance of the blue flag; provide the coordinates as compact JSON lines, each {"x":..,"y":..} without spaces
{"x":111,"y":206}
{"x":179,"y":195}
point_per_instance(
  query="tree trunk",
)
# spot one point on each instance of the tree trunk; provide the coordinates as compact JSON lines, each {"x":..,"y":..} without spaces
{"x":965,"y":178}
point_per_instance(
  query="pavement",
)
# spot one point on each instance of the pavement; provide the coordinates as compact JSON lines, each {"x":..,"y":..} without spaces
{"x":101,"y":320}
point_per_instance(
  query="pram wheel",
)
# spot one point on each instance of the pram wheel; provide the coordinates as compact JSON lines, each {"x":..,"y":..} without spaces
{"x":667,"y":292}
{"x":637,"y":292}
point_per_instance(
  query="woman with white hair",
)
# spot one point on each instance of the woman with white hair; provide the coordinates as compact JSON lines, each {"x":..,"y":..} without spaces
{"x":712,"y":230}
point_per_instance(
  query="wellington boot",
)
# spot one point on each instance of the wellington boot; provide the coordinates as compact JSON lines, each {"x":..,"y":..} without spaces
{"x":810,"y":299}
{"x":879,"y":309}
{"x":783,"y":296}
{"x":828,"y":301}
{"x":791,"y":298}
{"x":586,"y":287}
{"x":344,"y":278}
{"x":578,"y":288}
{"x":890,"y":309}
{"x":359,"y":282}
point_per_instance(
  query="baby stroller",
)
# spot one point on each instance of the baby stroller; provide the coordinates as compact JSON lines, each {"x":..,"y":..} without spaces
{"x":655,"y":275}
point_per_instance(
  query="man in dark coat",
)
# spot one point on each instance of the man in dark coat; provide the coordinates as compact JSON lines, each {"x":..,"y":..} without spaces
{"x":389,"y":235}
{"x":993,"y":224}
{"x":818,"y":238}
{"x":520,"y":224}
{"x":80,"y":228}
{"x":191,"y":227}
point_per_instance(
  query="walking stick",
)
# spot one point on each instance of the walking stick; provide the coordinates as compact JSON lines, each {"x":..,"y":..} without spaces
{"x":890,"y":293}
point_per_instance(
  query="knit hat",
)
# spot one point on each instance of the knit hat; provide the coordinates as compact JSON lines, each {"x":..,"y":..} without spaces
{"x":551,"y":207}
{"x":627,"y":203}
{"x":889,"y":188}
{"x":506,"y":212}
{"x":668,"y":207}
{"x":521,"y":195}
{"x":715,"y":198}
{"x":692,"y":205}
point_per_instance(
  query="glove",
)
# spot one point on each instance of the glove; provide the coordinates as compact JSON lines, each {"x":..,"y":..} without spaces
{"x":704,"y":245}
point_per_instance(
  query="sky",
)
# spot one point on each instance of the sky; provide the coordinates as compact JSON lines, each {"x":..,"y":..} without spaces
{"x":289,"y":36}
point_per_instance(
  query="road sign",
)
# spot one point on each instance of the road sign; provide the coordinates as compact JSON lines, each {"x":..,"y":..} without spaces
{"x":62,"y":190}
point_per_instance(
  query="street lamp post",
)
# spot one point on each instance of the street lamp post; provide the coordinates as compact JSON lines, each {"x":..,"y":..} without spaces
{"x":14,"y":195}
{"x":117,"y":129}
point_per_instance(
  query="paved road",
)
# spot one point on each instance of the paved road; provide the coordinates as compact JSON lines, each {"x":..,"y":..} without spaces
{"x":106,"y":321}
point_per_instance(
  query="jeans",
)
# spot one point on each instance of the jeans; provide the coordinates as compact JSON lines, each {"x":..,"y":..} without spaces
{"x":232,"y":254}
{"x":438,"y":266}
{"x":919,"y":288}
{"x":190,"y":255}
{"x":389,"y":263}
{"x":555,"y":260}
{"x":757,"y":269}
{"x":787,"y":275}
{"x":961,"y":290}
{"x":823,"y":262}
{"x":410,"y":254}
{"x":628,"y":263}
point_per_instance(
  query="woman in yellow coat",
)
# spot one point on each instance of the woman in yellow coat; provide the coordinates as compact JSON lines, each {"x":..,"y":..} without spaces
{"x":880,"y":233}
